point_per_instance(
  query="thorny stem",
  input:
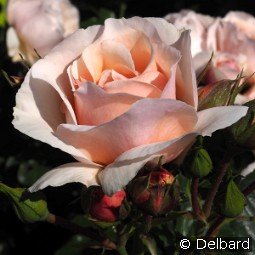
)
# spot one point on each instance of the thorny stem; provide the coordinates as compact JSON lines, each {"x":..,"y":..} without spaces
{"x":59,"y":221}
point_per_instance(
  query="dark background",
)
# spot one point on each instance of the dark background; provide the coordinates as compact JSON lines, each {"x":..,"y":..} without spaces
{"x":23,"y":160}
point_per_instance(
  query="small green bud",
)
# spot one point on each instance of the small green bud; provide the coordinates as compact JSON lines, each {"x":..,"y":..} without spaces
{"x":27,"y":209}
{"x":243,"y":131}
{"x":198,"y":163}
{"x":234,"y":202}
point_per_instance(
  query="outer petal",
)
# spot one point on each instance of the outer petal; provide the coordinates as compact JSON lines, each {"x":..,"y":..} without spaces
{"x":72,"y":172}
{"x":148,"y":121}
{"x":157,"y":29}
{"x":38,"y":115}
{"x":118,"y":174}
{"x":186,"y":89}
{"x":215,"y":118}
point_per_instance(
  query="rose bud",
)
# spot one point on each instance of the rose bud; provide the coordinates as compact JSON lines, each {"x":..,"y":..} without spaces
{"x":155,"y":193}
{"x":106,"y":208}
{"x":198,"y":163}
{"x":243,"y":131}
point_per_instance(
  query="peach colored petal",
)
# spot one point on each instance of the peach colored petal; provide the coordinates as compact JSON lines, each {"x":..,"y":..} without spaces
{"x":167,"y":59}
{"x":118,"y":174}
{"x":93,"y":60}
{"x":117,"y":57}
{"x":141,"y":53}
{"x":68,"y":173}
{"x":159,"y":120}
{"x":186,"y":88}
{"x":155,"y":78}
{"x":133,"y":87}
{"x":93,"y":106}
{"x":79,"y":72}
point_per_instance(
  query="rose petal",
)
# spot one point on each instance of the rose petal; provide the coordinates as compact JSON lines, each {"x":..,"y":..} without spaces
{"x":159,"y":120}
{"x":93,"y":60}
{"x":68,"y":173}
{"x":156,"y":29}
{"x":37,"y":128}
{"x":216,"y":118}
{"x":94,"y":106}
{"x":167,"y":59}
{"x":38,"y":115}
{"x":186,"y":89}
{"x":118,"y":174}
{"x":133,"y":87}
{"x":117,"y":57}
{"x":155,"y":78}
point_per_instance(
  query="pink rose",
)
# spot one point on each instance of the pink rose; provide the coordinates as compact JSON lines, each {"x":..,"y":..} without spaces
{"x":106,"y":208}
{"x":232,"y":39}
{"x":39,"y":25}
{"x":197,"y":23}
{"x":234,"y":34}
{"x":115,"y":97}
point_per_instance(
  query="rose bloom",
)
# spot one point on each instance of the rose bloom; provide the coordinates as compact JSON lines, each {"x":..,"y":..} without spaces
{"x":38,"y":25}
{"x":197,"y":23}
{"x":234,"y":34}
{"x":116,"y":97}
{"x":231,"y":39}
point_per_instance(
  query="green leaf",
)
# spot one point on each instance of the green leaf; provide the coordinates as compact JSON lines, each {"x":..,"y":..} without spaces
{"x":28,"y":209}
{"x":234,"y":202}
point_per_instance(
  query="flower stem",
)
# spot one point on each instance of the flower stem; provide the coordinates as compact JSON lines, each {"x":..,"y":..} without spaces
{"x":223,"y":169}
{"x":213,"y":230}
{"x":59,"y":221}
{"x":194,"y":198}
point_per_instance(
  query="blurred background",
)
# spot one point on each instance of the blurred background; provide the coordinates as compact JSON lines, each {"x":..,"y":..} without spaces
{"x":23,"y":160}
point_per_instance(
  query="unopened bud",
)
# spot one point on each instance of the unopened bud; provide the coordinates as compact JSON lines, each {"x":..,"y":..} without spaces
{"x":105,"y":208}
{"x":155,"y":193}
{"x":243,"y":131}
{"x":198,"y":163}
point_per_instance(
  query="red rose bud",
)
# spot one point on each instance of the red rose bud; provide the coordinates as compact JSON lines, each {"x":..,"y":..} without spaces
{"x":106,"y":208}
{"x":155,"y":193}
